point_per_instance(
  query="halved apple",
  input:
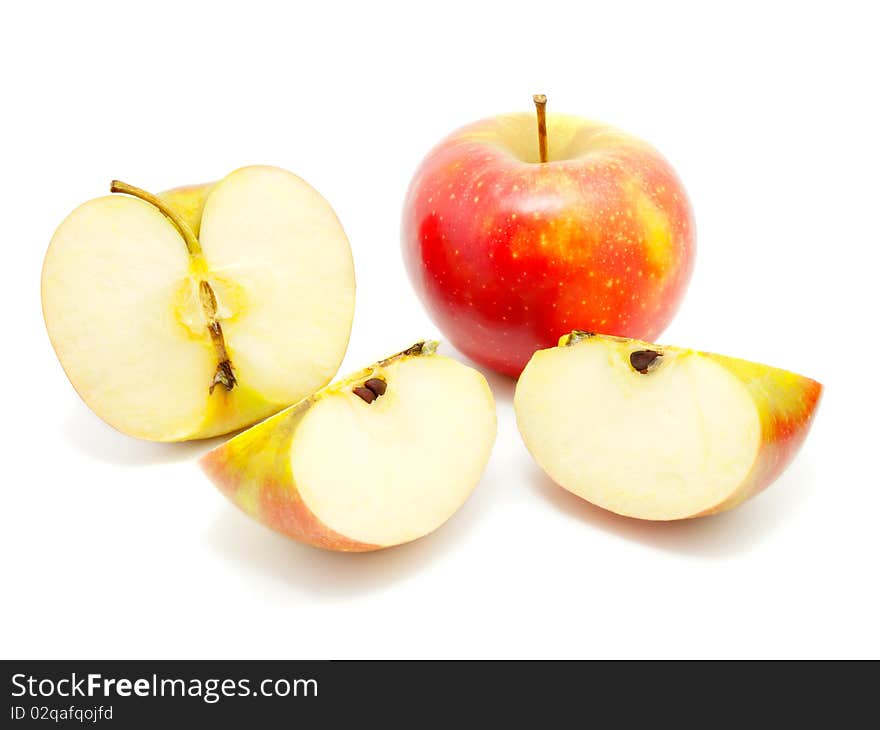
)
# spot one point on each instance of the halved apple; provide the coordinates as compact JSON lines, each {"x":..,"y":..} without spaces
{"x":380,"y":458}
{"x":656,"y":432}
{"x":204,"y":309}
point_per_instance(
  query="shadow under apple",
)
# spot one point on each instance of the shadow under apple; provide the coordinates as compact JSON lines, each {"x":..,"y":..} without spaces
{"x":326,"y":574}
{"x":93,"y":437}
{"x":731,"y":533}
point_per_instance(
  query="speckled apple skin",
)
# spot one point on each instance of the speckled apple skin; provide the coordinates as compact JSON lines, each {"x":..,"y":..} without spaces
{"x":508,"y":255}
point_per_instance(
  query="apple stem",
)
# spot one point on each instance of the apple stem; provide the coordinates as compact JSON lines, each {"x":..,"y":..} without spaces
{"x":425,"y":347}
{"x":541,"y":108}
{"x":189,"y":238}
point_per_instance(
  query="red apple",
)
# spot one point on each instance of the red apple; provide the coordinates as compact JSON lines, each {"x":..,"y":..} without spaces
{"x":508,"y":252}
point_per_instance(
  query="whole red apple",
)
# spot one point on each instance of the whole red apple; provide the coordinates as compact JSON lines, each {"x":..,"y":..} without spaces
{"x":508,"y":252}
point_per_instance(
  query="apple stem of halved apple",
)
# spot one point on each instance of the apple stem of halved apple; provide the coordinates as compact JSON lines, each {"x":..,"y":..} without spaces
{"x":223,"y":375}
{"x":541,"y":108}
{"x":189,"y":238}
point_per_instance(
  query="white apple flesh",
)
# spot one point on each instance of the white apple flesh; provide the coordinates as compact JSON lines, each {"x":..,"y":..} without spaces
{"x":380,"y":458}
{"x":656,"y":432}
{"x":144,"y":305}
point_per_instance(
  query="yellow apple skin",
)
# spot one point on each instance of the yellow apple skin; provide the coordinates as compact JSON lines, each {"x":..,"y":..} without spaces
{"x":189,"y":202}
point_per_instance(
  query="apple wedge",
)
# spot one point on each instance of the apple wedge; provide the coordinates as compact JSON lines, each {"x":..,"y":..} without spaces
{"x":656,"y":432}
{"x":204,"y":309}
{"x":380,"y":458}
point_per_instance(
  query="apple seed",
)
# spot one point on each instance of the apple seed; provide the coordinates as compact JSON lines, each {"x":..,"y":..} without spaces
{"x":377,"y":385}
{"x":641,"y":360}
{"x":365,"y":394}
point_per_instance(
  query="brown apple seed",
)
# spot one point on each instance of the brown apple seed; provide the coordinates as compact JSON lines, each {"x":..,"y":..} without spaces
{"x":365,"y":394}
{"x":377,"y":385}
{"x":641,"y":360}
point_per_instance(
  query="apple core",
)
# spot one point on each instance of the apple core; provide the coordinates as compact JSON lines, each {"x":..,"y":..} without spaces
{"x":223,"y":375}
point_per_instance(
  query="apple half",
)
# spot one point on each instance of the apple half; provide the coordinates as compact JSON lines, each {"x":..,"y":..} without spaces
{"x":379,"y":458}
{"x":204,"y":309}
{"x":656,"y":432}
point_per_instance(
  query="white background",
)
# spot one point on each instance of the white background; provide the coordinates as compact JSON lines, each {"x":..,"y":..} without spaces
{"x":120,"y":549}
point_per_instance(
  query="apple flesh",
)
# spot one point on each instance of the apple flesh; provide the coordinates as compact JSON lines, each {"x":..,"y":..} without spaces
{"x":204,"y":309}
{"x":508,"y":253}
{"x":657,"y":432}
{"x":380,"y":458}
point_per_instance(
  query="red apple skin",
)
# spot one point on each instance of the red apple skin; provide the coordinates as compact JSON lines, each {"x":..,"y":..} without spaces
{"x":508,"y":253}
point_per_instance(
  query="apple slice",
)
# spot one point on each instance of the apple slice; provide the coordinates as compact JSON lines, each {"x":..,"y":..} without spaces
{"x":656,"y":432}
{"x":380,"y":458}
{"x":202,"y":310}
